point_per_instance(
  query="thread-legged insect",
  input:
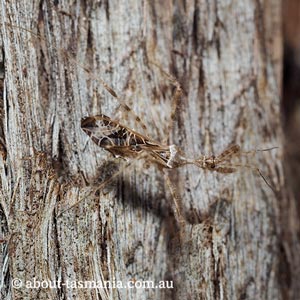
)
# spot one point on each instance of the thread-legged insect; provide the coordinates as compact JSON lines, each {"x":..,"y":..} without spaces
{"x":126,"y":143}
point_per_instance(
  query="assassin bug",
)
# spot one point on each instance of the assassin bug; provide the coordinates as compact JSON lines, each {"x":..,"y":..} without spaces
{"x":126,"y":143}
{"x":123,"y":142}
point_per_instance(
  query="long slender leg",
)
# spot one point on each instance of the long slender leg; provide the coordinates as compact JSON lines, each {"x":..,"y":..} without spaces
{"x":228,"y":153}
{"x":175,"y":100}
{"x":255,"y":168}
{"x":177,"y":207}
{"x":108,"y":88}
{"x":114,"y":94}
{"x":95,"y":188}
{"x":225,"y":169}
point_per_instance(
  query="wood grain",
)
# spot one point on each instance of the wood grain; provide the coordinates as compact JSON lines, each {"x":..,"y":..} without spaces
{"x":227,"y":58}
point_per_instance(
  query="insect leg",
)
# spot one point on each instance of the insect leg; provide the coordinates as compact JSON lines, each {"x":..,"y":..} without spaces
{"x":177,"y":207}
{"x":254,"y":168}
{"x":97,"y":78}
{"x":95,"y":188}
{"x":176,"y":97}
{"x":228,"y":153}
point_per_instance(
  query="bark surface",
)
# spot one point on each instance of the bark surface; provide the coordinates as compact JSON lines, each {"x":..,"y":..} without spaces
{"x":240,"y":238}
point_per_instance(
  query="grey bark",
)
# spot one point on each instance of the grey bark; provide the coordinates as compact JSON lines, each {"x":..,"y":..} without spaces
{"x":240,"y":240}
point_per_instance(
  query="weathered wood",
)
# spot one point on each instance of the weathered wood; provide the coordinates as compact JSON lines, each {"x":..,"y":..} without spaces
{"x":227,"y":57}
